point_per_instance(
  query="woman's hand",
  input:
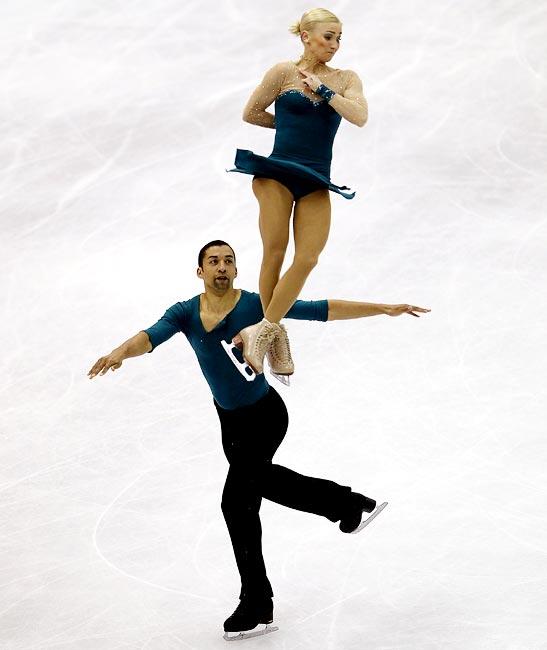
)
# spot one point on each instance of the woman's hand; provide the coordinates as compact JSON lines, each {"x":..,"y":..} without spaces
{"x":397,"y":310}
{"x":310,"y":80}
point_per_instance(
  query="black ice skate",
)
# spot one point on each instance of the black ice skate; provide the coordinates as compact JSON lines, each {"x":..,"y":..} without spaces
{"x":351,"y":520}
{"x":251,"y":618}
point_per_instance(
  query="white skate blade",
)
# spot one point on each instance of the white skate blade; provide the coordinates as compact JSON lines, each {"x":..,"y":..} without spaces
{"x":372,"y":516}
{"x":284,"y":379}
{"x":243,"y":367}
{"x":259,"y":630}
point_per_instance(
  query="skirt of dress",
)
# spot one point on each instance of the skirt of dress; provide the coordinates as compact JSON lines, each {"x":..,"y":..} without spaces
{"x":299,"y":178}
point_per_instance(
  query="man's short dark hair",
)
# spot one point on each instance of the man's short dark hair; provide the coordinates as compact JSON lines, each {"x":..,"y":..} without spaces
{"x":215,"y":242}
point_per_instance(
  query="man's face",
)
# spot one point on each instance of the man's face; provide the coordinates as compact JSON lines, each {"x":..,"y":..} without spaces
{"x":218,"y":268}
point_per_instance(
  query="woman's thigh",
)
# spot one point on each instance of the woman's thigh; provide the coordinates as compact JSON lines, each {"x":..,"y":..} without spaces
{"x":276,"y":204}
{"x":312,"y":217}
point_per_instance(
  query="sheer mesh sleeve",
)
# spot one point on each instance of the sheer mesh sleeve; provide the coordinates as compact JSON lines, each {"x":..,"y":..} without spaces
{"x":351,"y":104}
{"x":263,"y":96}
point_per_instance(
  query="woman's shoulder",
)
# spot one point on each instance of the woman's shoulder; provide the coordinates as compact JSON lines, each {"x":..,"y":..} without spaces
{"x":284,"y":66}
{"x":348,"y":74}
{"x":278,"y":73}
{"x":349,"y":77}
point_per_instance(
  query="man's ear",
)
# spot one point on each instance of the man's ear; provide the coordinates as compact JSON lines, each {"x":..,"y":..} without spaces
{"x":199,"y":272}
{"x":235,"y":276}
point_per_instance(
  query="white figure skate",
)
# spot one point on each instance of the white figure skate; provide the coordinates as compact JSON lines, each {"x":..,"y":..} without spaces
{"x":254,"y":341}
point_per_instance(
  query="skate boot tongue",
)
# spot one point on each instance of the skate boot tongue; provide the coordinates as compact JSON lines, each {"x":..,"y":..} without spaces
{"x":256,"y":340}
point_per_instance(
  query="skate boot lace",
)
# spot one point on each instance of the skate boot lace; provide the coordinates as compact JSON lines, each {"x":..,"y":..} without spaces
{"x":264,"y":337}
{"x":280,"y":349}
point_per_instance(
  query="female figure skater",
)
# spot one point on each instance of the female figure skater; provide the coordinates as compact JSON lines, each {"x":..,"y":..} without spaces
{"x":311,"y":98}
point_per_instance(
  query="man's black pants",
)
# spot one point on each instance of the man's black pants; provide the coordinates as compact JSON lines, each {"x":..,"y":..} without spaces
{"x":250,"y":438}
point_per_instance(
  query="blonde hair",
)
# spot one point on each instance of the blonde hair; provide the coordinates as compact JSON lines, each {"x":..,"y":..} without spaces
{"x":310,"y":19}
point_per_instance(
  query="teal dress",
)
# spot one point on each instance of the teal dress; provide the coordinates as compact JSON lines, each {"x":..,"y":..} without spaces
{"x":301,"y":158}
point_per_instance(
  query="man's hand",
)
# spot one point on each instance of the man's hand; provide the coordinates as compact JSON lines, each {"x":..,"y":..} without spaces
{"x":133,"y":347}
{"x":113,"y":361}
{"x":397,"y":310}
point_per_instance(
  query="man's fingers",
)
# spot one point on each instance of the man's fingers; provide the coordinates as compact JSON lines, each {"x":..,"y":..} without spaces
{"x":96,"y":368}
{"x":103,"y":365}
{"x":106,"y":367}
{"x":411,"y":309}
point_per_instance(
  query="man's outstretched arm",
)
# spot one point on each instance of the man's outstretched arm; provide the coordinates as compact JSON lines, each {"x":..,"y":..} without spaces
{"x":324,"y":310}
{"x":133,"y":347}
{"x":145,"y":341}
{"x":344,"y":309}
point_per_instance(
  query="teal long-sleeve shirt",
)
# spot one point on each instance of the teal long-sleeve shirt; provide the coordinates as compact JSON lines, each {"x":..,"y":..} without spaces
{"x":231,"y":381}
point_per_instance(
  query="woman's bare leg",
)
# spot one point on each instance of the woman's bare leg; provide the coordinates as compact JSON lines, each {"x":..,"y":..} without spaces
{"x":275,"y":203}
{"x":311,"y":231}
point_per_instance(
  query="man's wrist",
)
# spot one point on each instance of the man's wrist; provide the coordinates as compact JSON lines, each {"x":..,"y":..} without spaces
{"x":121,"y":351}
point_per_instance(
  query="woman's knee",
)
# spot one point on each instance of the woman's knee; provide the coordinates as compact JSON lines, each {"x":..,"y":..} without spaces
{"x":306,"y":261}
{"x":273,"y":256}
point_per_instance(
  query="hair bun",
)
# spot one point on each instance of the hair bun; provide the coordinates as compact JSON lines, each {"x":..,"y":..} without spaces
{"x":312,"y":18}
{"x":295,"y":28}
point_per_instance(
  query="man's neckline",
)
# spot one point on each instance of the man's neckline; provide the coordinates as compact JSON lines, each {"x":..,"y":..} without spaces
{"x":225,"y":315}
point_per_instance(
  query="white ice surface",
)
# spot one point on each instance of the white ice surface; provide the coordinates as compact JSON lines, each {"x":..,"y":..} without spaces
{"x":118,"y":120}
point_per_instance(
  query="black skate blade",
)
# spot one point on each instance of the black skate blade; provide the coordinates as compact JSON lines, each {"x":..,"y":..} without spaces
{"x":367,"y":521}
{"x":239,"y":636}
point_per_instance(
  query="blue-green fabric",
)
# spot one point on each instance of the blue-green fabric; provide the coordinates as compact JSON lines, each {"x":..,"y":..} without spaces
{"x":302,"y":152}
{"x":228,"y":385}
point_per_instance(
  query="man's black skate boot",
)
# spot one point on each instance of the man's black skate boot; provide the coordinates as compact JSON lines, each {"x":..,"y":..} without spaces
{"x":357,"y":504}
{"x":250,"y":613}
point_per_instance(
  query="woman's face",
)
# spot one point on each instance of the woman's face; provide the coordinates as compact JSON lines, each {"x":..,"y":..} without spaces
{"x":323,"y":40}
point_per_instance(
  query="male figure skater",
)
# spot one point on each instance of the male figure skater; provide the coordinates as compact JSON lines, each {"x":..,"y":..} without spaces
{"x":253,"y":420}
